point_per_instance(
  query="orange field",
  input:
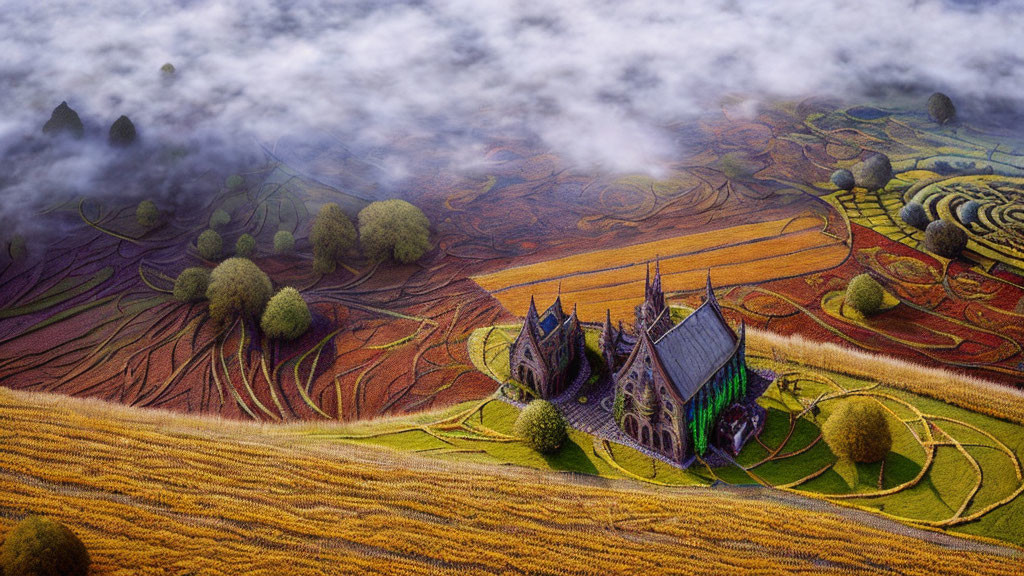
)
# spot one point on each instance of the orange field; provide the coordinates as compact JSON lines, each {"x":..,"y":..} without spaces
{"x":614,"y":278}
{"x":152,"y":493}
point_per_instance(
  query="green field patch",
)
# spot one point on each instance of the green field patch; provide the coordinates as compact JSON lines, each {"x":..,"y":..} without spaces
{"x":999,"y":478}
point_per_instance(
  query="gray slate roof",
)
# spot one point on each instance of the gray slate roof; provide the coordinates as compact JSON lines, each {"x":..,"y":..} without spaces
{"x":693,"y":350}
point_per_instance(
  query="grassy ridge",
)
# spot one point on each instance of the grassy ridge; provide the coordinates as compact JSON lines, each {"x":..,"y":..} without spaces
{"x":155,"y":493}
{"x":974,"y":394}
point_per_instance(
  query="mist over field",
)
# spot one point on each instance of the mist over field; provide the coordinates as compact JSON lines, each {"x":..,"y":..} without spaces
{"x":596,"y":82}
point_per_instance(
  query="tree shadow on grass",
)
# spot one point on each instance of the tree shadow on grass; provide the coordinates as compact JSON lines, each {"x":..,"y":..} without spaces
{"x":571,"y":458}
{"x":899,"y":470}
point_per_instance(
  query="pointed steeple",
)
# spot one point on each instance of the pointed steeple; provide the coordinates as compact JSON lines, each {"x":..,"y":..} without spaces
{"x":657,"y":275}
{"x":709,"y":292}
{"x":557,"y":306}
{"x":531,"y":314}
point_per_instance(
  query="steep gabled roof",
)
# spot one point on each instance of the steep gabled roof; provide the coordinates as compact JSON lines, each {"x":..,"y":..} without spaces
{"x":693,"y":350}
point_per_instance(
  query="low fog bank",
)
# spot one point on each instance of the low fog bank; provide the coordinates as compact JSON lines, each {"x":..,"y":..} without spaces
{"x":594,"y":81}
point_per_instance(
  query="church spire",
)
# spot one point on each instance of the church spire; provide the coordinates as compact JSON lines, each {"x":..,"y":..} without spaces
{"x":709,"y":292}
{"x":531,"y":314}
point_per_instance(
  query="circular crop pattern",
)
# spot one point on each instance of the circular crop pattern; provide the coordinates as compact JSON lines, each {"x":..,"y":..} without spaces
{"x":988,"y":208}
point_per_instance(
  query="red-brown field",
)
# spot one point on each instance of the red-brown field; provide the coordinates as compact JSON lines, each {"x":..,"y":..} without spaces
{"x":91,"y":315}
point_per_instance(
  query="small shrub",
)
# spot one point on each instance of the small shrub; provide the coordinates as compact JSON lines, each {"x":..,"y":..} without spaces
{"x":864,"y":294}
{"x":968,"y":212}
{"x":843,"y":179}
{"x":147,"y":214}
{"x":219,"y":219}
{"x":333,"y":235}
{"x":210,"y":245}
{"x":64,"y":119}
{"x":945,"y":239}
{"x":284,"y":242}
{"x":245,"y":246}
{"x":394,"y":229}
{"x":941,"y":108}
{"x":39,"y":546}
{"x":857,"y":430}
{"x":122,"y":132}
{"x":191,"y":284}
{"x":287,"y":315}
{"x":168,"y":69}
{"x":542,"y":426}
{"x":872,"y":173}
{"x":234,"y":181}
{"x":915,"y":215}
{"x":238,"y":287}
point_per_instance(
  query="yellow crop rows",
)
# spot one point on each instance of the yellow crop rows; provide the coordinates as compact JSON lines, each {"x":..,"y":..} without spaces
{"x":155,"y":493}
{"x":614,"y":278}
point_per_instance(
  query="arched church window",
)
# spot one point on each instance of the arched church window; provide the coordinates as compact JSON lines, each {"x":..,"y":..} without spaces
{"x":528,"y":354}
{"x":666,"y":441}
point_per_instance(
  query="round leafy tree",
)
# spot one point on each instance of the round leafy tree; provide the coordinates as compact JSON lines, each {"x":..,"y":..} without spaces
{"x":238,"y":287}
{"x":864,"y":294}
{"x":245,"y":246}
{"x":147,"y":214}
{"x":219,"y":218}
{"x":394,"y":229}
{"x":333,"y":236}
{"x":168,"y":69}
{"x":234,"y":181}
{"x":210,"y":245}
{"x":541,"y":426}
{"x":122,"y":132}
{"x":287,"y":315}
{"x":39,"y":546}
{"x":968,"y":212}
{"x":284,"y":242}
{"x":64,"y":119}
{"x":945,"y":238}
{"x":915,"y":215}
{"x":872,"y":173}
{"x":843,"y":179}
{"x":858,"y":430}
{"x":941,"y":108}
{"x":191,"y":284}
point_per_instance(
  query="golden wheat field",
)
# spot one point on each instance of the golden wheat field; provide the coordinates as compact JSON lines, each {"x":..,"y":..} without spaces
{"x":613,"y":278}
{"x":155,"y":493}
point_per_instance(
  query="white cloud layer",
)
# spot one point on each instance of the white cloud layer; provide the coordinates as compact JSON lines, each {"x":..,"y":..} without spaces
{"x":595,"y":81}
